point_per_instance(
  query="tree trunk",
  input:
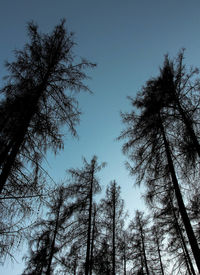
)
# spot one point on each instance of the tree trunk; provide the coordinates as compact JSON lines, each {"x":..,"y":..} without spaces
{"x":92,"y":242}
{"x":183,"y":244}
{"x":87,"y":262}
{"x":32,"y":108}
{"x":182,"y":209}
{"x":113,"y":230}
{"x":124,"y":258}
{"x":53,"y":242}
{"x":143,"y":248}
{"x":159,"y":254}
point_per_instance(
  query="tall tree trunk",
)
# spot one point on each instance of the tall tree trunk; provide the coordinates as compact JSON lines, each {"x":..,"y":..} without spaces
{"x":124,"y":257}
{"x":75,"y":267}
{"x":53,"y":241}
{"x":143,"y":248}
{"x":141,"y":270}
{"x":181,"y":205}
{"x":113,"y":230}
{"x":183,"y":244}
{"x":92,"y":241}
{"x":186,"y":261}
{"x":87,"y":262}
{"x":159,"y":254}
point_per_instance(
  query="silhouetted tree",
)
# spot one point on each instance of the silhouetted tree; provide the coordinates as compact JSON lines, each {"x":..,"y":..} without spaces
{"x":180,"y":88}
{"x":112,"y":208}
{"x":93,"y":235}
{"x":156,"y":248}
{"x":150,"y":145}
{"x":85,"y":179}
{"x":37,"y":100}
{"x":139,"y":229}
{"x":125,"y":249}
{"x":50,"y":234}
{"x":38,"y":262}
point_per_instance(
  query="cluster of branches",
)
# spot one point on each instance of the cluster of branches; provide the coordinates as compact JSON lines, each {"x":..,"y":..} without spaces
{"x":162,"y":143}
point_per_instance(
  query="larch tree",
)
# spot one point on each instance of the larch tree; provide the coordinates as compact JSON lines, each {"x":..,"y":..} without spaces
{"x":38,"y":101}
{"x":38,"y":98}
{"x":112,"y":207}
{"x":49,"y":234}
{"x":152,"y":146}
{"x":156,"y":249}
{"x":88,"y":185}
{"x":124,"y":249}
{"x":139,"y":242}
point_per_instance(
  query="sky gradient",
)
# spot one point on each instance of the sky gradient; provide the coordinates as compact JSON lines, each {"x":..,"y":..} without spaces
{"x":128,"y":40}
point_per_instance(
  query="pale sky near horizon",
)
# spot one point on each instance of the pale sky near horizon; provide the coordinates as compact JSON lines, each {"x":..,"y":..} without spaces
{"x":128,"y":40}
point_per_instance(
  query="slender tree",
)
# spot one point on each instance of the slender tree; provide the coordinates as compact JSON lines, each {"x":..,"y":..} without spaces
{"x":50,"y":234}
{"x":88,"y":185}
{"x":93,"y":235}
{"x":124,"y":249}
{"x":112,"y":221}
{"x":139,"y":227}
{"x":136,"y":249}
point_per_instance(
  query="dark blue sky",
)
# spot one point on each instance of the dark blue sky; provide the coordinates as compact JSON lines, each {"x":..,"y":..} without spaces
{"x":128,"y":40}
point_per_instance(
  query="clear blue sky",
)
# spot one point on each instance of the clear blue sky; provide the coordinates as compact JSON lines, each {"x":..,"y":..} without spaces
{"x":127,"y":39}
